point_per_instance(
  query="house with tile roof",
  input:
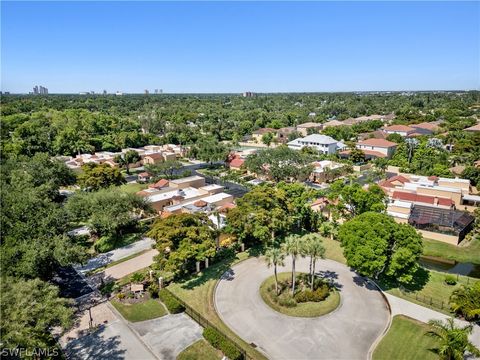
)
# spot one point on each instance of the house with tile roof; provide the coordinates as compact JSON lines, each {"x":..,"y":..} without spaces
{"x":402,"y":130}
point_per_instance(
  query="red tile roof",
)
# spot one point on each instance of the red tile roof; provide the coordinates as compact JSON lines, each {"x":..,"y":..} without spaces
{"x":404,"y":128}
{"x":236,"y":163}
{"x":200,"y":203}
{"x":400,"y":178}
{"x":155,"y":156}
{"x":144,"y":174}
{"x":159,"y":184}
{"x":425,"y":125}
{"x":226,"y":207}
{"x":264,"y":131}
{"x":445,"y":202}
{"x":413,"y":197}
{"x":378,"y":143}
{"x":422,"y":198}
{"x":473,"y":128}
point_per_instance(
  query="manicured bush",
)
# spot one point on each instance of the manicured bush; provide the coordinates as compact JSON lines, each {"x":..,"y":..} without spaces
{"x":317,"y":295}
{"x":153,"y":290}
{"x":450,"y":280}
{"x":172,"y":304}
{"x":286,"y":300}
{"x":220,"y":342}
{"x":121,"y":296}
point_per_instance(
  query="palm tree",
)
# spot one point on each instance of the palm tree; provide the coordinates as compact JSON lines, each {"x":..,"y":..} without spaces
{"x":466,"y":301}
{"x":326,"y":229}
{"x":453,"y":340}
{"x":313,"y":247}
{"x":275,"y":257}
{"x":293,"y":247}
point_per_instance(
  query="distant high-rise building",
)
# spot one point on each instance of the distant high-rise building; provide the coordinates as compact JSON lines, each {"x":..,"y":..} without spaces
{"x":160,"y":91}
{"x":146,"y":92}
{"x":40,"y":90}
{"x":156,"y":91}
{"x":249,"y":94}
{"x":104,"y":92}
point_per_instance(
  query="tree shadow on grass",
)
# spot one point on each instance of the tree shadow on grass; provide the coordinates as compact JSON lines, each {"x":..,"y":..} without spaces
{"x":216,"y":271}
{"x":420,"y":279}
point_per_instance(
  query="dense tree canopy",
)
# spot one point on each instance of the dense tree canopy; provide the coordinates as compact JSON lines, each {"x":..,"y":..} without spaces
{"x":33,"y":221}
{"x":280,"y":164}
{"x":183,"y":239}
{"x":29,"y":311}
{"x":95,"y":177}
{"x":353,"y":200}
{"x":374,"y":244}
{"x":270,"y":211}
{"x":107,"y":212}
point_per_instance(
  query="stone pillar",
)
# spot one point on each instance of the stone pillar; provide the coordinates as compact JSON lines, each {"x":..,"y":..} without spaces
{"x":242,"y":246}
{"x":198,"y":266}
{"x":160,"y":282}
{"x":206,"y":263}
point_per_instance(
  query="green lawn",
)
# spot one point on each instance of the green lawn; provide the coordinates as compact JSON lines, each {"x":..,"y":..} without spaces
{"x":198,"y":293}
{"x":405,"y":340}
{"x":133,"y":188}
{"x":147,"y":310}
{"x":333,"y":250}
{"x":429,"y":290}
{"x":307,"y":309}
{"x":200,"y":350}
{"x":469,"y":253}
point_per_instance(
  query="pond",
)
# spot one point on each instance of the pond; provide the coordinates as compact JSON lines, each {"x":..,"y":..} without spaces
{"x":450,"y":266}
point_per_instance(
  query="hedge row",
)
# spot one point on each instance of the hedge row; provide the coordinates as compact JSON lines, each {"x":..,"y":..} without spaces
{"x":172,"y":304}
{"x":222,"y":343}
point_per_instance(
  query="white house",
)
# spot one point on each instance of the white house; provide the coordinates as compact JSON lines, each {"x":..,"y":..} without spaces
{"x":323,"y":143}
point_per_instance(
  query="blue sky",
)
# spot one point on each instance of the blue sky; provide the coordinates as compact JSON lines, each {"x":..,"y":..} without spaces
{"x":240,"y":46}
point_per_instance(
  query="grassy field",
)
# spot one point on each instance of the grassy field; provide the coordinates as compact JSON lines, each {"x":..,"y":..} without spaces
{"x":201,"y":350}
{"x":198,"y":293}
{"x":307,"y":309}
{"x":429,"y":290}
{"x":405,"y":340}
{"x":133,"y":188}
{"x":469,"y":253}
{"x":147,"y":310}
{"x":333,"y":250}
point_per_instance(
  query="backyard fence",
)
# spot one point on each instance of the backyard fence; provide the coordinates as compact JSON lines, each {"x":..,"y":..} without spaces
{"x":428,"y":300}
{"x":203,"y":322}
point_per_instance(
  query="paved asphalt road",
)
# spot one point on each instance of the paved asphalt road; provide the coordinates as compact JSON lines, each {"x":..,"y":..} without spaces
{"x":346,"y":333}
{"x":117,"y":254}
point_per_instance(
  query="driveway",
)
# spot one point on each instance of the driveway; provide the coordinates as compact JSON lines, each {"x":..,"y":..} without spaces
{"x":346,"y":333}
{"x":115,"y":255}
{"x":168,"y":335}
{"x":115,"y":341}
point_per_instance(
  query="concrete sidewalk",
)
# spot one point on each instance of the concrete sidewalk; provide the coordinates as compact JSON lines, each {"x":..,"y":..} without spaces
{"x":115,"y":255}
{"x":404,"y":307}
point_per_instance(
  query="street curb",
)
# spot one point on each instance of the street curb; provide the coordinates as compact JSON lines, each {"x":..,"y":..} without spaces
{"x":389,"y":324}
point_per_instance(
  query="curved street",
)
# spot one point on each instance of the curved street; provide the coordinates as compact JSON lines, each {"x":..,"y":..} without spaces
{"x":346,"y":333}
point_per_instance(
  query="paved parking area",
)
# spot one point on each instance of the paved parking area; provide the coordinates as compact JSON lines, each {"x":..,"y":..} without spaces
{"x":169,"y":335}
{"x":115,"y":341}
{"x":346,"y":333}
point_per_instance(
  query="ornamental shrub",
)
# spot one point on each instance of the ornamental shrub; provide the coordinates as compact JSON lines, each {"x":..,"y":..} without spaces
{"x":220,"y":342}
{"x":450,"y":280}
{"x":172,"y":304}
